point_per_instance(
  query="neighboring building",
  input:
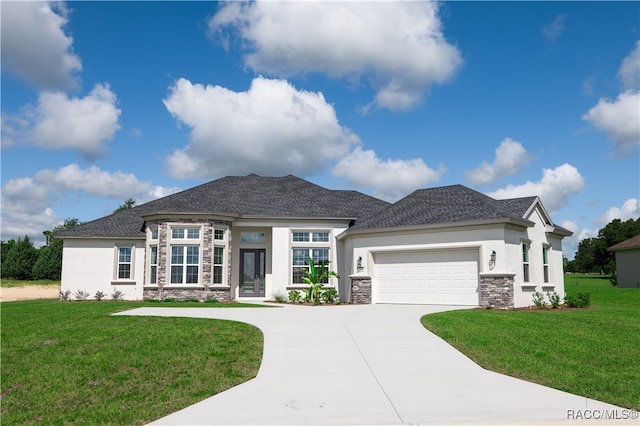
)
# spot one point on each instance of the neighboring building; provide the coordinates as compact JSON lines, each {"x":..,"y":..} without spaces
{"x":628,"y":262}
{"x":249,"y":238}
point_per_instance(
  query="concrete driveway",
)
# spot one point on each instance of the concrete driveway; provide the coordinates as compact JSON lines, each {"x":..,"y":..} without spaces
{"x":367,"y":364}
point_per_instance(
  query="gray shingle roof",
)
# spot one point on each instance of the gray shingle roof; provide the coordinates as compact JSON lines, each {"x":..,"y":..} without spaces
{"x":631,"y":243}
{"x":447,"y":204}
{"x":239,"y":196}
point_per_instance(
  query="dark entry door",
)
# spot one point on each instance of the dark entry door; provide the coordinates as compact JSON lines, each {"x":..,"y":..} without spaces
{"x":252,"y":267}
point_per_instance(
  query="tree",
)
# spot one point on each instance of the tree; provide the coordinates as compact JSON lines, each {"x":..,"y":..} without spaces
{"x":592,"y":254}
{"x":128,"y":204}
{"x":20,"y":260}
{"x":49,"y":263}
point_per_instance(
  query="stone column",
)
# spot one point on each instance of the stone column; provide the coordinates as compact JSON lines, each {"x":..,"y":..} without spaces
{"x":496,"y":290}
{"x":360,"y":289}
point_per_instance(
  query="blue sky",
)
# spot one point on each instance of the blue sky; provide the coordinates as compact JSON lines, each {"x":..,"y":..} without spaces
{"x":104,"y":101}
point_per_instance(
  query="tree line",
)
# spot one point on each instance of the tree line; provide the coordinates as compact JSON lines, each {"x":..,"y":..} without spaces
{"x":22,"y":261}
{"x":592,"y":254}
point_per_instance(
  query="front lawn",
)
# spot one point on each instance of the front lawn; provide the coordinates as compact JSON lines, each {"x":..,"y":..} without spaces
{"x":74,"y":363}
{"x":591,"y":352}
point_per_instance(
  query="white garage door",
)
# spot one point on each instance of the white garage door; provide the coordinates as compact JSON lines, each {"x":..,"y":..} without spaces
{"x":441,"y":278}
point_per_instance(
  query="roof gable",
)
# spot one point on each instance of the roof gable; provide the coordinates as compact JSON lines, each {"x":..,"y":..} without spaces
{"x":446,"y":205}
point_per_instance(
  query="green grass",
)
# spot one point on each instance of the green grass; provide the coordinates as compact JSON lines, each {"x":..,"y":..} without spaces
{"x":590,"y":352}
{"x":74,"y":363}
{"x":6,"y":282}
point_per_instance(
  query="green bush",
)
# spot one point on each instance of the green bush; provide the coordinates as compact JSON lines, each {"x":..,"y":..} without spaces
{"x":579,"y":300}
{"x":554,"y":299}
{"x":538,"y":300}
{"x":295,"y":296}
{"x":100,"y":295}
{"x":329,"y":296}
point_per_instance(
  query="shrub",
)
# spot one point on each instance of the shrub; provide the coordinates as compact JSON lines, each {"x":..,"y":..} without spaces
{"x":579,"y":300}
{"x":279,"y":297}
{"x":81,"y":295}
{"x":554,"y":299}
{"x":329,"y":296}
{"x":64,"y":295}
{"x":99,"y":295}
{"x":295,"y":296}
{"x":117,"y":295}
{"x":538,"y":300}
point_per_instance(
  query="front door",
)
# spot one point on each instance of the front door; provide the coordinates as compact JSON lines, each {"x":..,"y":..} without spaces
{"x":252,"y":267}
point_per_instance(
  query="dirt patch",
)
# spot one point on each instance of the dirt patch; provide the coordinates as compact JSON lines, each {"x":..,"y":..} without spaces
{"x":31,"y":292}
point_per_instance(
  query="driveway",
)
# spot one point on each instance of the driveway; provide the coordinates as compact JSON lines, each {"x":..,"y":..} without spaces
{"x":367,"y":364}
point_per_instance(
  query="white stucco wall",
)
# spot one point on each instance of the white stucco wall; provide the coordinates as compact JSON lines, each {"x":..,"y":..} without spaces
{"x":504,"y":239}
{"x":90,"y":265}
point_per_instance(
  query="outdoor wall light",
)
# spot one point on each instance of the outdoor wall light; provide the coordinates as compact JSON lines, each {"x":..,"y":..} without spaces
{"x":492,"y":259}
{"x":359,"y":265}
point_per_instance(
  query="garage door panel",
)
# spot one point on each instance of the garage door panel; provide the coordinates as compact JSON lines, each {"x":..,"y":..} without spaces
{"x":447,"y":277}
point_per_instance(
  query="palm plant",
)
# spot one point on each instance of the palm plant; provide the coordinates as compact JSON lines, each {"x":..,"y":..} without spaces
{"x":315,"y":277}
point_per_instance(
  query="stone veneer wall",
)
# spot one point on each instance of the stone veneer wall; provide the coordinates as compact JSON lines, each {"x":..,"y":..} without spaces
{"x":182,"y":294}
{"x":201,"y":293}
{"x":496,"y":291}
{"x":360,"y":289}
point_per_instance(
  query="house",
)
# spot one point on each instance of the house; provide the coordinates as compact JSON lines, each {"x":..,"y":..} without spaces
{"x":627,"y":255}
{"x":250,"y":238}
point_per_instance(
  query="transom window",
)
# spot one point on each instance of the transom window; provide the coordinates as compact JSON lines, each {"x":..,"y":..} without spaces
{"x":185,"y":233}
{"x":315,"y":237}
{"x":154,"y":233}
{"x":185,"y":264}
{"x":124,"y":263}
{"x":218,"y":234}
{"x":252,"y":237}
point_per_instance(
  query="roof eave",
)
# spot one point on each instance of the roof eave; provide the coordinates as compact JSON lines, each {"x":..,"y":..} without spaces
{"x":514,"y":221}
{"x":100,"y":237}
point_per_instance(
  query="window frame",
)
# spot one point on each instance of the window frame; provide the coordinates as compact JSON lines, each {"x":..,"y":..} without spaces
{"x":117,"y":263}
{"x":313,"y":241}
{"x":545,"y":263}
{"x":185,"y":240}
{"x":526,"y":256}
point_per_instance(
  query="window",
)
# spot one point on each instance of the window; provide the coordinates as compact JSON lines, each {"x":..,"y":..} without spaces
{"x":545,"y":263}
{"x":185,"y":264}
{"x":218,"y":234}
{"x":308,"y":244}
{"x":218,"y":264}
{"x":153,"y":265}
{"x":185,"y":233}
{"x":154,"y":233}
{"x":124,"y":263}
{"x":525,"y":262}
{"x":252,"y":237}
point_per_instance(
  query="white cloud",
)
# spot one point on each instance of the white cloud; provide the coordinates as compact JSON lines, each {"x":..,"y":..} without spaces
{"x":553,"y":29}
{"x":630,"y":209}
{"x":629,"y":72}
{"x":271,"y":129}
{"x":620,"y":120}
{"x":399,"y":47}
{"x":60,"y":122}
{"x":34,"y":45}
{"x":390,"y":179}
{"x":27,"y":201}
{"x":511,"y":157}
{"x":554,"y":189}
